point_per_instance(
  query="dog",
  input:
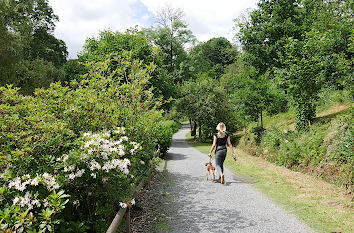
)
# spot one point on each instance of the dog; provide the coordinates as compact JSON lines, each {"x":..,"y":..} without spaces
{"x":210,"y":171}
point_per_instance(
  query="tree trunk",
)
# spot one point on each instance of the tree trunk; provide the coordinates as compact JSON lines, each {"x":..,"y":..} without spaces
{"x":200,"y":132}
{"x":194,"y":130}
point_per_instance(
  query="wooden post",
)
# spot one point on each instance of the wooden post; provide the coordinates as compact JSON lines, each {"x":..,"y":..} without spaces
{"x":128,"y":219}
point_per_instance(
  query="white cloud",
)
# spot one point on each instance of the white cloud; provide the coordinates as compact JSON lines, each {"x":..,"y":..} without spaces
{"x":207,"y":18}
{"x":80,"y":19}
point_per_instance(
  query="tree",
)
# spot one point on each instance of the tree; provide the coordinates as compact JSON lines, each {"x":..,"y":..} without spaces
{"x":28,"y":49}
{"x":219,"y":53}
{"x":205,"y":102}
{"x":210,"y":58}
{"x":170,"y":33}
{"x":265,"y":34}
{"x":133,"y":44}
{"x":251,"y":95}
{"x":302,"y":74}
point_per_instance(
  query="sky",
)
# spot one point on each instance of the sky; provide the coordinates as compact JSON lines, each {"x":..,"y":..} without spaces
{"x":82,"y":19}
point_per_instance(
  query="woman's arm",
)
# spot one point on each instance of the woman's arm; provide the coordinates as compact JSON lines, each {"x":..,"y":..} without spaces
{"x":213,"y":146}
{"x":231,"y":147}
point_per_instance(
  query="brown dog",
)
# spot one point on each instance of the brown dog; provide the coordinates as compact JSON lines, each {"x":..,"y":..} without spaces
{"x":210,"y":171}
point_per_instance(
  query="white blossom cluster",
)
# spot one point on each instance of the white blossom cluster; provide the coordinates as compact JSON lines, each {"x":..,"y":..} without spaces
{"x":114,"y":163}
{"x":20,"y":183}
{"x":100,"y":152}
{"x":26,"y":201}
{"x":125,"y":205}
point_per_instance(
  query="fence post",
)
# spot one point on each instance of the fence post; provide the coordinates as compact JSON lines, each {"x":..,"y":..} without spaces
{"x":128,"y":219}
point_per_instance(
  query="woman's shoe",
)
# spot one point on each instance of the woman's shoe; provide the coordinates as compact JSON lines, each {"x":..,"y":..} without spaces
{"x":222,"y":179}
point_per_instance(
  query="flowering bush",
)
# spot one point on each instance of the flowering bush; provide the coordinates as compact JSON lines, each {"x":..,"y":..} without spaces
{"x":65,"y":162}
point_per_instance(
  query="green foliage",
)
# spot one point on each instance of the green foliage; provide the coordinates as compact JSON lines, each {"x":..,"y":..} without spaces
{"x":329,"y":97}
{"x":164,"y":135}
{"x":109,"y":44}
{"x":170,"y":34}
{"x":74,"y":70}
{"x":132,"y":44}
{"x":30,"y":56}
{"x":265,"y":33}
{"x":210,"y":58}
{"x":302,"y":76}
{"x":250,"y":94}
{"x":324,"y":150}
{"x":205,"y":102}
{"x":53,"y":137}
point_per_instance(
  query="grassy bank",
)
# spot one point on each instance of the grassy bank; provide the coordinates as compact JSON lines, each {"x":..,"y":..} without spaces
{"x":323,"y":206}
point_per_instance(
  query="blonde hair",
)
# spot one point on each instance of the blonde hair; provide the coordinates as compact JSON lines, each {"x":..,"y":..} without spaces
{"x":221,"y":129}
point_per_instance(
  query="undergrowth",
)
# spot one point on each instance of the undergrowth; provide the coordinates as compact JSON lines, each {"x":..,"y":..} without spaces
{"x":325,"y":150}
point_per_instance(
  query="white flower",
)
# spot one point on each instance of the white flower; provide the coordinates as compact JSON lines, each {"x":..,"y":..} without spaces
{"x":121,"y":153}
{"x":79,"y":173}
{"x":46,"y":203}
{"x":132,"y":201}
{"x":15,"y":200}
{"x":123,"y":205}
{"x":106,"y":134}
{"x":124,"y":138}
{"x":113,"y":149}
{"x":71,"y":176}
{"x":65,"y":157}
{"x":126,"y":171}
{"x":36,"y":203}
{"x":76,"y":202}
{"x":35,"y":181}
{"x":93,"y":175}
{"x":106,"y":147}
{"x":87,"y":134}
{"x":26,"y":200}
{"x":142,"y":162}
{"x":26,"y":176}
{"x":126,"y":161}
{"x":94,"y":165}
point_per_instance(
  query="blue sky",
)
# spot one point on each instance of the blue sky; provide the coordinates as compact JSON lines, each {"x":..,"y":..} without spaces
{"x":81,"y":19}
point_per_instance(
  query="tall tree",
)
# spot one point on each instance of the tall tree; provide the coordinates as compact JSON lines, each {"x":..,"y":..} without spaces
{"x":171,"y":34}
{"x":264,"y":34}
{"x":30,"y":54}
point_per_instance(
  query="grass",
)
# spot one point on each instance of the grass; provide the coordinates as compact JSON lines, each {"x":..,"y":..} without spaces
{"x":324,"y":207}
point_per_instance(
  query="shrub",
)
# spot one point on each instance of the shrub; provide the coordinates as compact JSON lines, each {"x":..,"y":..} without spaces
{"x":325,"y":149}
{"x":64,"y":141}
{"x":164,"y":135}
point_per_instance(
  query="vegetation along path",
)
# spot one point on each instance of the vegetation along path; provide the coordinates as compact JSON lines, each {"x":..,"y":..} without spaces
{"x":203,"y":206}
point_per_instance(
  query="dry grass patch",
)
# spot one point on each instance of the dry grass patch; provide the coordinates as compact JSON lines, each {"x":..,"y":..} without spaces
{"x":333,"y":110}
{"x":323,"y":206}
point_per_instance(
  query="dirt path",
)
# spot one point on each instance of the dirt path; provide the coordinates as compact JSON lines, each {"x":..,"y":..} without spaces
{"x":193,"y":204}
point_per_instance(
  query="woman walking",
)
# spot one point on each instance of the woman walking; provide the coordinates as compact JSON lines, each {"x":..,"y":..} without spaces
{"x":220,"y":140}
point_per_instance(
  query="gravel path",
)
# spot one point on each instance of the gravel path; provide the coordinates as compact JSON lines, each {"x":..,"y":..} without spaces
{"x":197,"y":205}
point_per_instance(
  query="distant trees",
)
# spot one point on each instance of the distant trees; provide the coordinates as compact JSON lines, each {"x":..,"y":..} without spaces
{"x":202,"y":98}
{"x":204,"y":101}
{"x":30,"y":56}
{"x":302,"y":46}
